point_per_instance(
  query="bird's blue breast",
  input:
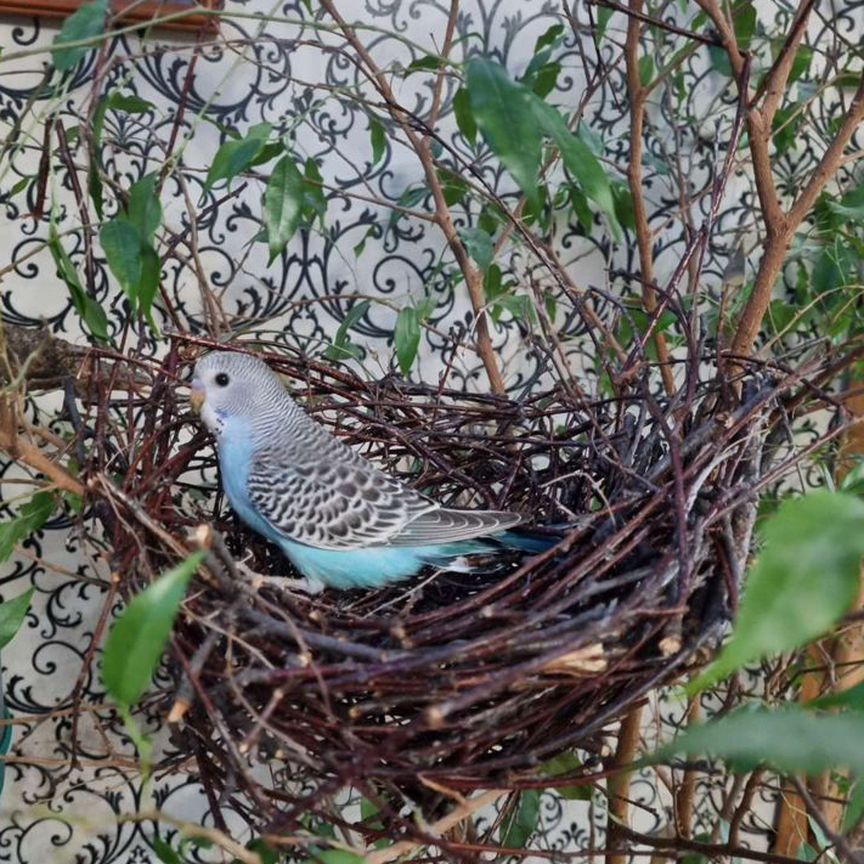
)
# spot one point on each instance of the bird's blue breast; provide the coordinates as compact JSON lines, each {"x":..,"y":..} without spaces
{"x":235,"y":461}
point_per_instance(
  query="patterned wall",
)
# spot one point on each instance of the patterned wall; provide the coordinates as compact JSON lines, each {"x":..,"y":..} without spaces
{"x":267,"y":70}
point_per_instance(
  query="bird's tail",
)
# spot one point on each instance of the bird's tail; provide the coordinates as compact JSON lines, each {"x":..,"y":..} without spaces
{"x":526,"y":540}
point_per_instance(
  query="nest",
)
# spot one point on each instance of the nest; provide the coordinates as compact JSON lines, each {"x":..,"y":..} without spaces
{"x":452,"y":681}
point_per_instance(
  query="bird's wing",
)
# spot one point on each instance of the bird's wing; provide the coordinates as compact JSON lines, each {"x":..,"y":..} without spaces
{"x":439,"y":526}
{"x":332,"y":503}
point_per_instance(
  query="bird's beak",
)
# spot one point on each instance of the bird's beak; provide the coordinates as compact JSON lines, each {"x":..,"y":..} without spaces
{"x":196,"y":397}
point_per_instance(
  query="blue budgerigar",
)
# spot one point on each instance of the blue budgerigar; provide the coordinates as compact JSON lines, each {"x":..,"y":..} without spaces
{"x":341,"y":521}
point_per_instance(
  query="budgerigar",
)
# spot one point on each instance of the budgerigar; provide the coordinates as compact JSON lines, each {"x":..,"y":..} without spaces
{"x":341,"y":521}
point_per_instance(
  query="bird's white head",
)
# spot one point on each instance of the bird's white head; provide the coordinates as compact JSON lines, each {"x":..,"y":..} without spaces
{"x":227,"y":386}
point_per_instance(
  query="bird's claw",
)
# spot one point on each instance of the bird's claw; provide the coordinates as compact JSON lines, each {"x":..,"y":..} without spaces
{"x":257,"y":581}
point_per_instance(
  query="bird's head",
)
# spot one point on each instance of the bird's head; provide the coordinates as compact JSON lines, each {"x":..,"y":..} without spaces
{"x":227,"y":386}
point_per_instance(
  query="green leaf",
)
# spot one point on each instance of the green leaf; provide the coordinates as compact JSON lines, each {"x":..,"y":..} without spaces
{"x":624,"y":205}
{"x":122,"y":246}
{"x":151,"y":273}
{"x":129,"y":102}
{"x":504,"y":113}
{"x":520,"y":306}
{"x":521,"y":822}
{"x":145,"y":210}
{"x":604,"y":14}
{"x":138,"y":637}
{"x":315,"y":201}
{"x":406,"y":337}
{"x":342,"y":346}
{"x":465,"y":116}
{"x":86,"y":23}
{"x":379,"y":139}
{"x":545,"y":79}
{"x":566,"y":763}
{"x":720,"y":60}
{"x":165,"y":853}
{"x":513,"y":121}
{"x":854,"y":808}
{"x":646,"y":70}
{"x":852,"y":698}
{"x":283,"y":205}
{"x":409,"y":198}
{"x":744,"y":20}
{"x":427,"y":62}
{"x":90,"y":312}
{"x":791,"y":740}
{"x":12,"y":614}
{"x":582,"y":164}
{"x":333,"y":856}
{"x":234,"y":157}
{"x":31,"y":517}
{"x":267,"y":854}
{"x":851,"y":206}
{"x":549,"y":38}
{"x":479,"y":245}
{"x":453,"y":187}
{"x":804,"y":580}
{"x":20,"y":186}
{"x":355,"y":313}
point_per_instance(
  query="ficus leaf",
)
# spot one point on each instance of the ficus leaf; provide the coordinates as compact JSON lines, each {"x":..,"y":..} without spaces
{"x":130,"y":103}
{"x":379,"y":139}
{"x":31,"y":517}
{"x":90,"y":312}
{"x":552,"y":34}
{"x":236,"y":156}
{"x":805,"y":579}
{"x":138,"y":637}
{"x":284,"y":198}
{"x":406,"y":338}
{"x":121,"y":243}
{"x":582,"y":164}
{"x":426,"y":63}
{"x":87,"y":22}
{"x":144,"y":209}
{"x":503,"y":112}
{"x":315,"y":201}
{"x":465,"y":115}
{"x":513,"y":120}
{"x":521,"y":822}
{"x":12,"y":614}
{"x":479,"y":245}
{"x":151,"y":268}
{"x":566,"y":763}
{"x":792,"y":740}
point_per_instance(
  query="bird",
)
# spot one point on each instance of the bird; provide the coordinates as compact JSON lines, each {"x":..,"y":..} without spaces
{"x":340,"y":520}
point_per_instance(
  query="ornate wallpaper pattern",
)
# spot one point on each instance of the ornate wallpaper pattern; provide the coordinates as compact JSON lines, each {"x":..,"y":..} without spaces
{"x":360,"y":250}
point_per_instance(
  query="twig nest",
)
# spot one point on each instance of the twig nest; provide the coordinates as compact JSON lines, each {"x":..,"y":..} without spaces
{"x":456,"y":681}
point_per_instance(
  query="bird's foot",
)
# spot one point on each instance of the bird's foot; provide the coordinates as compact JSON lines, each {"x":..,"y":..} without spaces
{"x":286,"y":583}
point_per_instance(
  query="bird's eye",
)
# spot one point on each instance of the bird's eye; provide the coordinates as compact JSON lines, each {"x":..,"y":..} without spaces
{"x":222,"y":379}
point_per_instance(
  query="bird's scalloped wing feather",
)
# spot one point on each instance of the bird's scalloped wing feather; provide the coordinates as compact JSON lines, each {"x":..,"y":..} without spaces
{"x":441,"y":526}
{"x":332,"y":504}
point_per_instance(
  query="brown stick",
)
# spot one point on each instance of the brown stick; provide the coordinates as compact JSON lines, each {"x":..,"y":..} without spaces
{"x":443,"y":218}
{"x":638,"y":95}
{"x":780,"y":225}
{"x":618,"y":787}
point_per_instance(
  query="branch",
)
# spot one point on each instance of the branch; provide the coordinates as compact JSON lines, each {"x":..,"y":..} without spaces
{"x":436,"y":830}
{"x":634,"y":178}
{"x":618,"y":786}
{"x":781,"y":230}
{"x":443,"y":217}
